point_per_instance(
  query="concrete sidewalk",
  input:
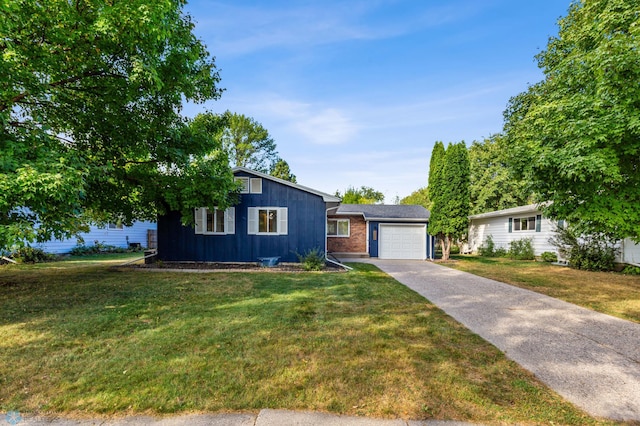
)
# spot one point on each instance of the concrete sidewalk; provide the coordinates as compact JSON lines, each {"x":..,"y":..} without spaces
{"x":263,"y":418}
{"x":591,"y":359}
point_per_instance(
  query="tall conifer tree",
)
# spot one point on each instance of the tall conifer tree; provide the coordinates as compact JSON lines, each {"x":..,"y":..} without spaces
{"x":436,"y":166}
{"x":450,"y":208}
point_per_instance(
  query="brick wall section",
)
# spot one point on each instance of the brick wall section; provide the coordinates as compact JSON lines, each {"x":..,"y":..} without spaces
{"x":357,"y":241}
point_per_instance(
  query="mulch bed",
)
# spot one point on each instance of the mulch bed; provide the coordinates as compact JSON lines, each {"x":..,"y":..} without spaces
{"x":224,"y":266}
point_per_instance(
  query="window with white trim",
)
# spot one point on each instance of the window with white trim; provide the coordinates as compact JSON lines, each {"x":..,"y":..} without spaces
{"x":115,"y":226}
{"x":250,"y":185}
{"x":267,"y":220}
{"x":215,"y":221}
{"x":524,"y":223}
{"x":255,"y":186}
{"x":245,"y":184}
{"x":338,"y":227}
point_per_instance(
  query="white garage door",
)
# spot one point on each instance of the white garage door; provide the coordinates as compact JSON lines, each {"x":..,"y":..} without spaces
{"x":403,"y":242}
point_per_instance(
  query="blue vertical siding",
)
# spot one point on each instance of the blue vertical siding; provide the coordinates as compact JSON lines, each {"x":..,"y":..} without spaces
{"x":306,"y":230}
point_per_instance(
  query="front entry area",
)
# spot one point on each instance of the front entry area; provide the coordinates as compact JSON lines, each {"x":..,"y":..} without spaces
{"x":403,"y":241}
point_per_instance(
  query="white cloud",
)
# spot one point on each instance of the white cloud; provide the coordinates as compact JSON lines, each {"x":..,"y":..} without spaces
{"x":239,"y":30}
{"x":306,"y":122}
{"x":326,"y":127}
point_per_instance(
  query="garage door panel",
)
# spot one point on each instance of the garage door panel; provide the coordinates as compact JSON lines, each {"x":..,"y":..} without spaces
{"x":403,"y":242}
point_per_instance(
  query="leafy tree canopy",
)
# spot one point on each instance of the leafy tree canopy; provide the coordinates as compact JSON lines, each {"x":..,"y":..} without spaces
{"x":418,"y":197}
{"x":493,"y":184}
{"x":281,"y":170}
{"x":362,"y":195}
{"x":575,"y":137}
{"x":90,"y":95}
{"x":248,"y":143}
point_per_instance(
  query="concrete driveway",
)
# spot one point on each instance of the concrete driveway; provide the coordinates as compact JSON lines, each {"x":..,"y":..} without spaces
{"x":591,"y":359}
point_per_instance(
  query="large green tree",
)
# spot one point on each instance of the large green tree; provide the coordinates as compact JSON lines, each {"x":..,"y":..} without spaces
{"x":435,"y":188}
{"x":575,"y":136}
{"x":493,"y":183}
{"x":418,"y":197}
{"x":362,"y":195}
{"x":90,"y":95}
{"x":281,"y":170}
{"x":450,"y":207}
{"x":249,"y":143}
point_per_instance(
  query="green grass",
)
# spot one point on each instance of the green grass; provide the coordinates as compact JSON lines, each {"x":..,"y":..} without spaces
{"x":82,"y":339}
{"x":611,"y":293}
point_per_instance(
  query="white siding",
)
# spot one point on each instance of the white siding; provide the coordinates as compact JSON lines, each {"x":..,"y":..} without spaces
{"x":630,"y":252}
{"x":114,"y":237}
{"x":498,"y":228}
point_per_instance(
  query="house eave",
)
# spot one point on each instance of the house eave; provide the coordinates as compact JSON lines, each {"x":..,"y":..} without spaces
{"x":327,"y":198}
{"x":530,"y":208}
{"x":397,"y":219}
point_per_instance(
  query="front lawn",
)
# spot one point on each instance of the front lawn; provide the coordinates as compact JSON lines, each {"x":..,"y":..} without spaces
{"x":81,"y":339}
{"x":607,"y":292}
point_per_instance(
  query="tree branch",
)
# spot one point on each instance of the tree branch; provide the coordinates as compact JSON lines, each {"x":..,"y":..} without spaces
{"x":87,"y":74}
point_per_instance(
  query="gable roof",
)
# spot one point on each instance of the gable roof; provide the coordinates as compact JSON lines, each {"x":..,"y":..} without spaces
{"x":386,"y":212}
{"x":327,"y":198}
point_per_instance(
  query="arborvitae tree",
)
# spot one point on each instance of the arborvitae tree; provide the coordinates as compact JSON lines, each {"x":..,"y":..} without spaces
{"x":435,"y":189}
{"x":450,"y":209}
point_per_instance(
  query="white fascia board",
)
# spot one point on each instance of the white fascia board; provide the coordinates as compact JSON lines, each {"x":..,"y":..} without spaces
{"x":397,"y":219}
{"x":531,"y":208}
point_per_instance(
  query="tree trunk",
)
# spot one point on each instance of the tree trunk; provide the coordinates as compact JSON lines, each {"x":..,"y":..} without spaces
{"x":446,"y":247}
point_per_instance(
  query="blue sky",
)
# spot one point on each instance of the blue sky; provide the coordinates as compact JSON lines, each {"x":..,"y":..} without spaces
{"x":357,"y":92}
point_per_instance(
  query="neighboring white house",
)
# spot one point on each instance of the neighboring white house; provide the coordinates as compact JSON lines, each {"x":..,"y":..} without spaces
{"x":630,"y":252}
{"x":521,"y":222}
{"x":111,"y":234}
{"x":509,"y":225}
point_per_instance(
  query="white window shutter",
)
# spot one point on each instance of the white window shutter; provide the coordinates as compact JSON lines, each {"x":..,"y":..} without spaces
{"x":283,"y":221}
{"x":230,"y":220}
{"x":253,"y":220}
{"x":200,"y":214}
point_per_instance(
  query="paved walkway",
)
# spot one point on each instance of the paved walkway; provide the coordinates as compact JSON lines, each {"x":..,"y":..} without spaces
{"x":591,"y":359}
{"x":263,"y":418}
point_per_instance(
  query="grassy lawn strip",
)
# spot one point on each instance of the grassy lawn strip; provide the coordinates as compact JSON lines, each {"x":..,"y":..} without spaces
{"x":82,"y":339}
{"x":611,"y":293}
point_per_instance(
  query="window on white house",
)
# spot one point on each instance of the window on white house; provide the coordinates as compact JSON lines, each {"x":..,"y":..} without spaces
{"x":215,"y":221}
{"x":115,"y":226}
{"x":524,"y":223}
{"x":338,"y":227}
{"x":250,"y":185}
{"x":268,"y":220}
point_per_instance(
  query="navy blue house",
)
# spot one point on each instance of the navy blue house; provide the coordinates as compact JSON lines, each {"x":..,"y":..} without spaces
{"x":275,"y":218}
